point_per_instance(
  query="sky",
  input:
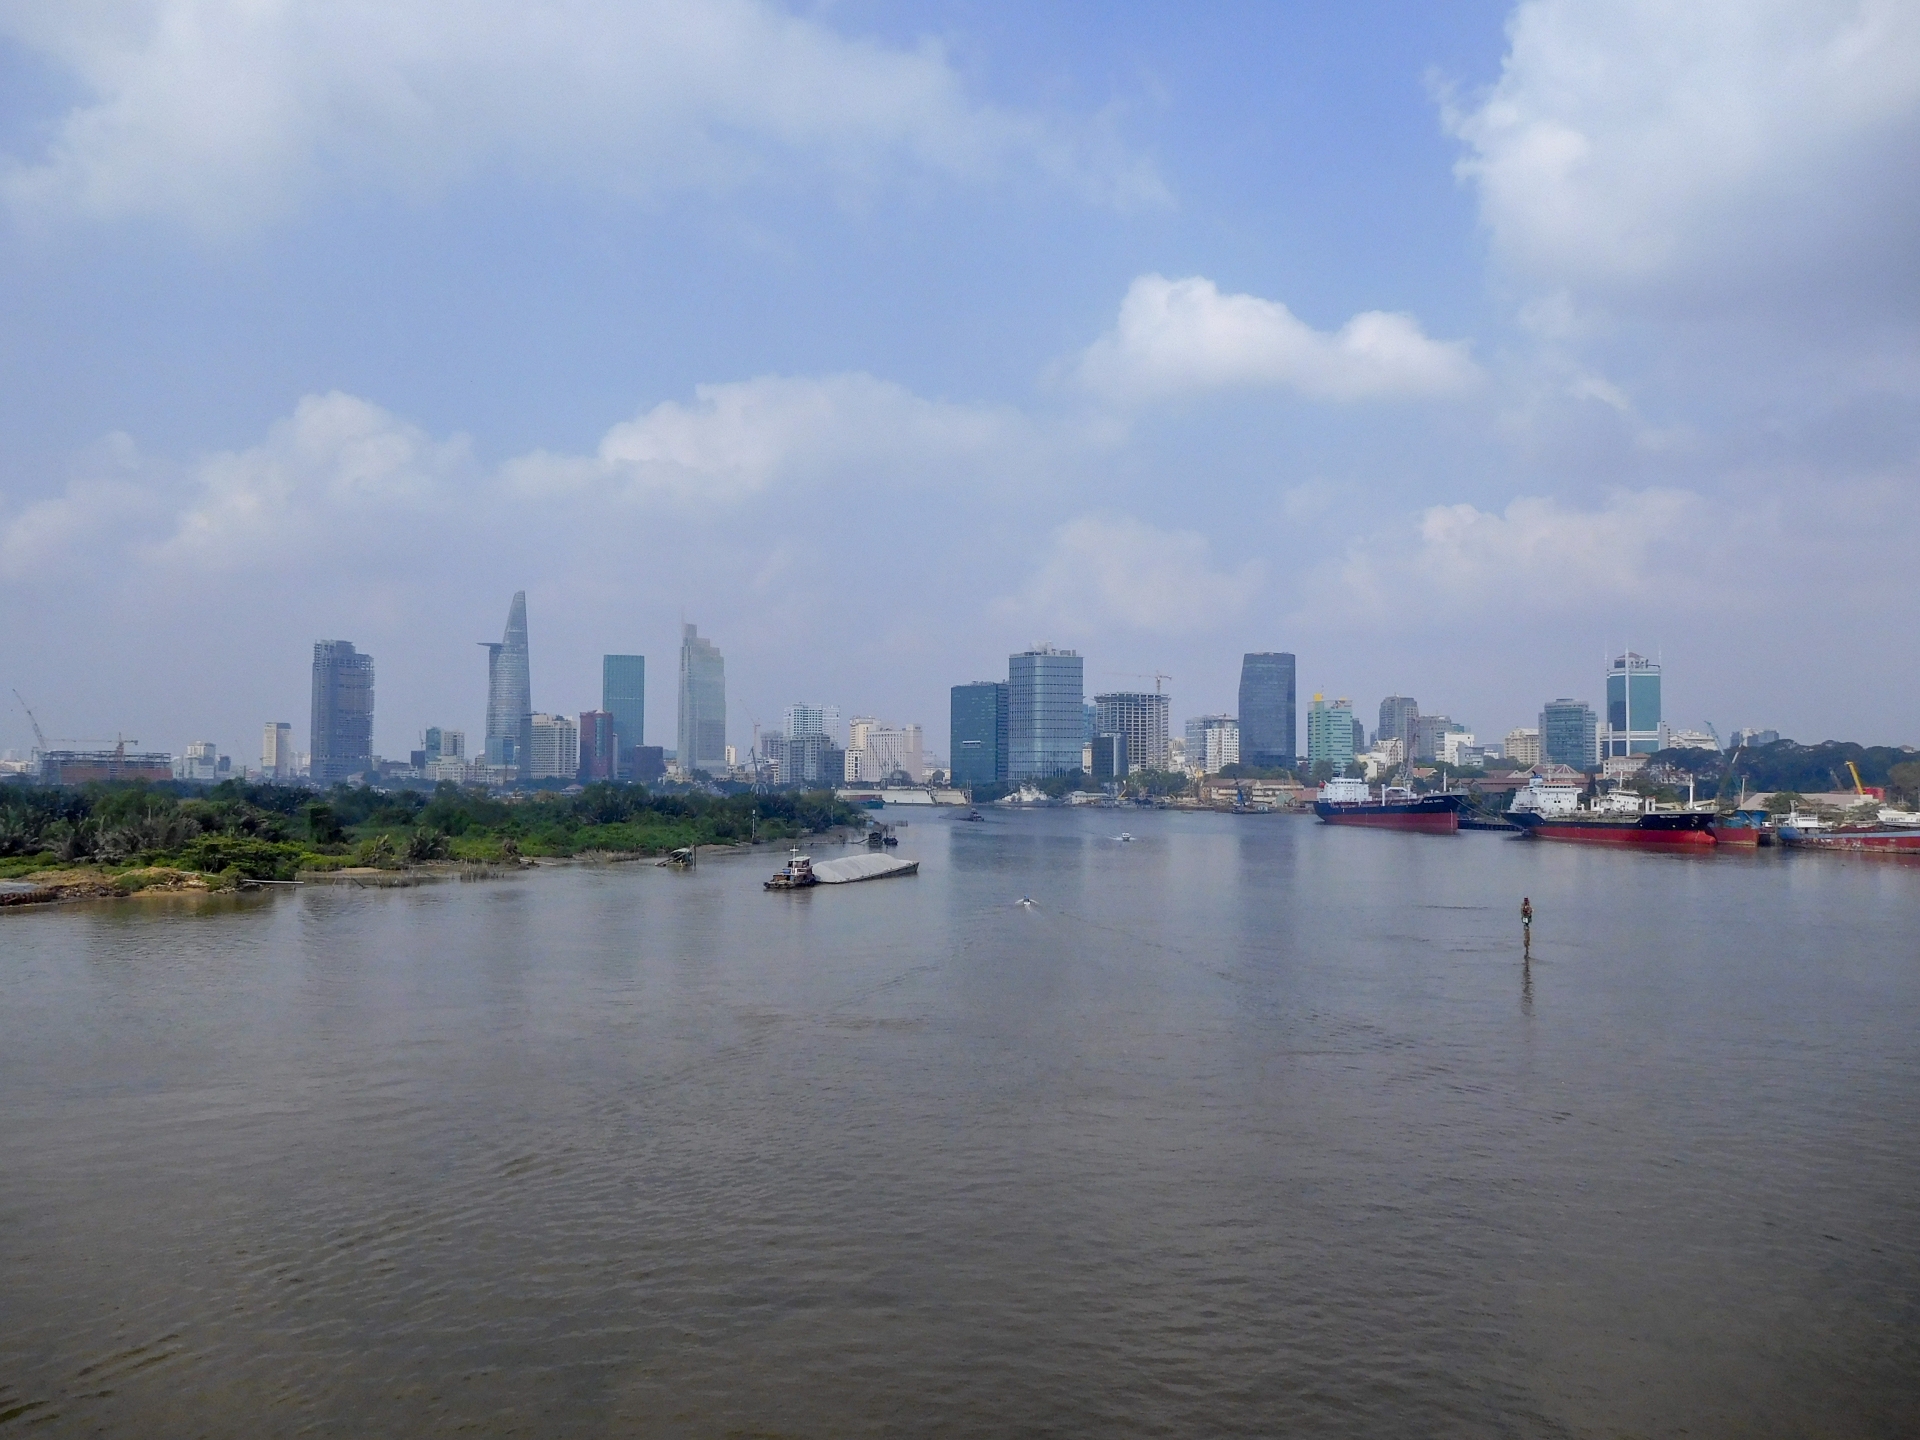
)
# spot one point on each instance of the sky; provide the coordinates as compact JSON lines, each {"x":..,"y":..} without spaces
{"x":1451,"y":348}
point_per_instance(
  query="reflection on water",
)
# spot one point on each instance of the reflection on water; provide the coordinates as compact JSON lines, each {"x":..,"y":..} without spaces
{"x":1235,"y":1130}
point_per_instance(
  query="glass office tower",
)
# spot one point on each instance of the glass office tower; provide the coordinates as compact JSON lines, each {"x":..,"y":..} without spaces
{"x":702,"y":738}
{"x":342,"y":732}
{"x":979,"y":733}
{"x":1046,"y":724}
{"x":1633,"y":707}
{"x":623,"y":695}
{"x":1267,"y":710}
{"x":1567,"y":734}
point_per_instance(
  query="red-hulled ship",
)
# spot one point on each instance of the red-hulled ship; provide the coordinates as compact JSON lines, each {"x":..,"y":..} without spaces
{"x":1553,"y":812}
{"x":1352,"y":802}
{"x":1664,"y":829}
{"x":1897,"y":833}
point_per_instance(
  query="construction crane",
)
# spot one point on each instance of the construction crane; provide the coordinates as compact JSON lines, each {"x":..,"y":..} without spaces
{"x":1156,"y":676}
{"x":1858,"y":788}
{"x":39,"y":736}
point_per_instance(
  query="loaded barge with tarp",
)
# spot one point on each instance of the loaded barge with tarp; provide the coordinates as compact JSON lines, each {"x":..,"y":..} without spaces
{"x":800,"y":873}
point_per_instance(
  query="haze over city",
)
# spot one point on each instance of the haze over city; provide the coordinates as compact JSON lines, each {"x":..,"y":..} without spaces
{"x":1453,"y":349}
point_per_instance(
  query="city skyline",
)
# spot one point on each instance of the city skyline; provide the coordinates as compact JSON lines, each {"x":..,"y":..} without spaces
{"x":1296,"y":334}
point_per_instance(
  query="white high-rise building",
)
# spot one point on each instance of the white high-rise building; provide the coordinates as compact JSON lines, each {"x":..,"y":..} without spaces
{"x":200,"y":762}
{"x":277,"y":760}
{"x":876,"y":751}
{"x":556,"y":748}
{"x":1142,"y":718}
{"x":1213,"y":743}
{"x":801,"y":719}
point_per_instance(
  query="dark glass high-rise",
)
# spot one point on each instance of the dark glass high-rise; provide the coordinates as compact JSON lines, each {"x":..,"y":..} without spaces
{"x":1267,"y":709}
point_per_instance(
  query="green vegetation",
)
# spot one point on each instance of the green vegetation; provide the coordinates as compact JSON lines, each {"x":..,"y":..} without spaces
{"x":1807,"y":769}
{"x":269,"y":832}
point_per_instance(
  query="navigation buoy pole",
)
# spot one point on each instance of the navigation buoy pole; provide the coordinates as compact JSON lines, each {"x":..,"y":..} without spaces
{"x":1526,"y":927}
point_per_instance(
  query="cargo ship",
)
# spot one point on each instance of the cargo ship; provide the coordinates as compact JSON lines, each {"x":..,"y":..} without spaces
{"x":1554,"y":812}
{"x":1352,"y":802}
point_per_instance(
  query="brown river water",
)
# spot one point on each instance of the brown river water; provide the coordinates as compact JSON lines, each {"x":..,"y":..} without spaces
{"x":1244,"y":1127}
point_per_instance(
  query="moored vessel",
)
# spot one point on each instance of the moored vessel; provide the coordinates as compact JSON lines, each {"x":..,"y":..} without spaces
{"x":1353,"y":802}
{"x":1554,"y":812}
{"x":1896,"y":832}
{"x":796,"y":874}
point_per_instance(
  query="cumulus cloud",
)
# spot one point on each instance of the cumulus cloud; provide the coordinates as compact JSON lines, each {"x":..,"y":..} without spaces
{"x":1638,"y":148}
{"x":1176,"y":337}
{"x":338,"y":463}
{"x":1113,"y":568}
{"x":223,"y":113}
{"x":737,"y":440}
{"x":1638,"y":551}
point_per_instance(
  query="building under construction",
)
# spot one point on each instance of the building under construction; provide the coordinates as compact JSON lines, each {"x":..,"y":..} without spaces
{"x":81,"y":767}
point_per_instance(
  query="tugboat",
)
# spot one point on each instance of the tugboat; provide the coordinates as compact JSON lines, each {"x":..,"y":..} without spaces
{"x":1351,"y":802}
{"x":1553,"y":812}
{"x":796,"y":874}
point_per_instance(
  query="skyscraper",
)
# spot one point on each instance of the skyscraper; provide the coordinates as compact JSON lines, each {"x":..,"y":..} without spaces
{"x":510,"y":692}
{"x":979,"y":733}
{"x":276,"y":751}
{"x":1142,"y":718}
{"x":1568,"y":734}
{"x":1397,"y":714}
{"x":1267,"y":710}
{"x":342,"y":744}
{"x":623,"y":695}
{"x":702,"y":736}
{"x":1213,"y":743}
{"x":1046,"y":726}
{"x":554,"y":753}
{"x":1633,"y":707}
{"x":599,"y":750}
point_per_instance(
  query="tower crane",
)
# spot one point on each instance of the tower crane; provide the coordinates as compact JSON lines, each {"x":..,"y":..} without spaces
{"x":39,"y":736}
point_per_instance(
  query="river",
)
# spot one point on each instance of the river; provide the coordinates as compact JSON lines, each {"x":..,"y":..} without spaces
{"x":1246,"y":1126}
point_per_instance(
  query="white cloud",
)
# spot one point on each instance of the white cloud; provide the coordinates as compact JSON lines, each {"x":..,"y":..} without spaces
{"x":224,"y":113}
{"x":1108,"y":568}
{"x":1179,"y":336}
{"x":739,"y":440}
{"x":1723,"y":146}
{"x":338,"y":466}
{"x":1640,"y":552}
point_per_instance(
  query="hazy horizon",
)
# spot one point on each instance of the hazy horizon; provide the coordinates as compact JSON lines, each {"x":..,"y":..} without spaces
{"x":1452,"y":352}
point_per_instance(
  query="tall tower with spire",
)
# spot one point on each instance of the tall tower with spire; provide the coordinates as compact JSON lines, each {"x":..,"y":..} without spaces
{"x":510,"y":692}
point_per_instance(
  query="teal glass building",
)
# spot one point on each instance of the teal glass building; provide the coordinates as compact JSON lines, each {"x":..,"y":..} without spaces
{"x":1046,"y":718}
{"x":978,"y":717}
{"x":623,"y":695}
{"x":1633,"y":707}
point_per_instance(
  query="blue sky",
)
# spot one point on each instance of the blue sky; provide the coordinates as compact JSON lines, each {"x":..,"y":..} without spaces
{"x":1446,"y":346}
